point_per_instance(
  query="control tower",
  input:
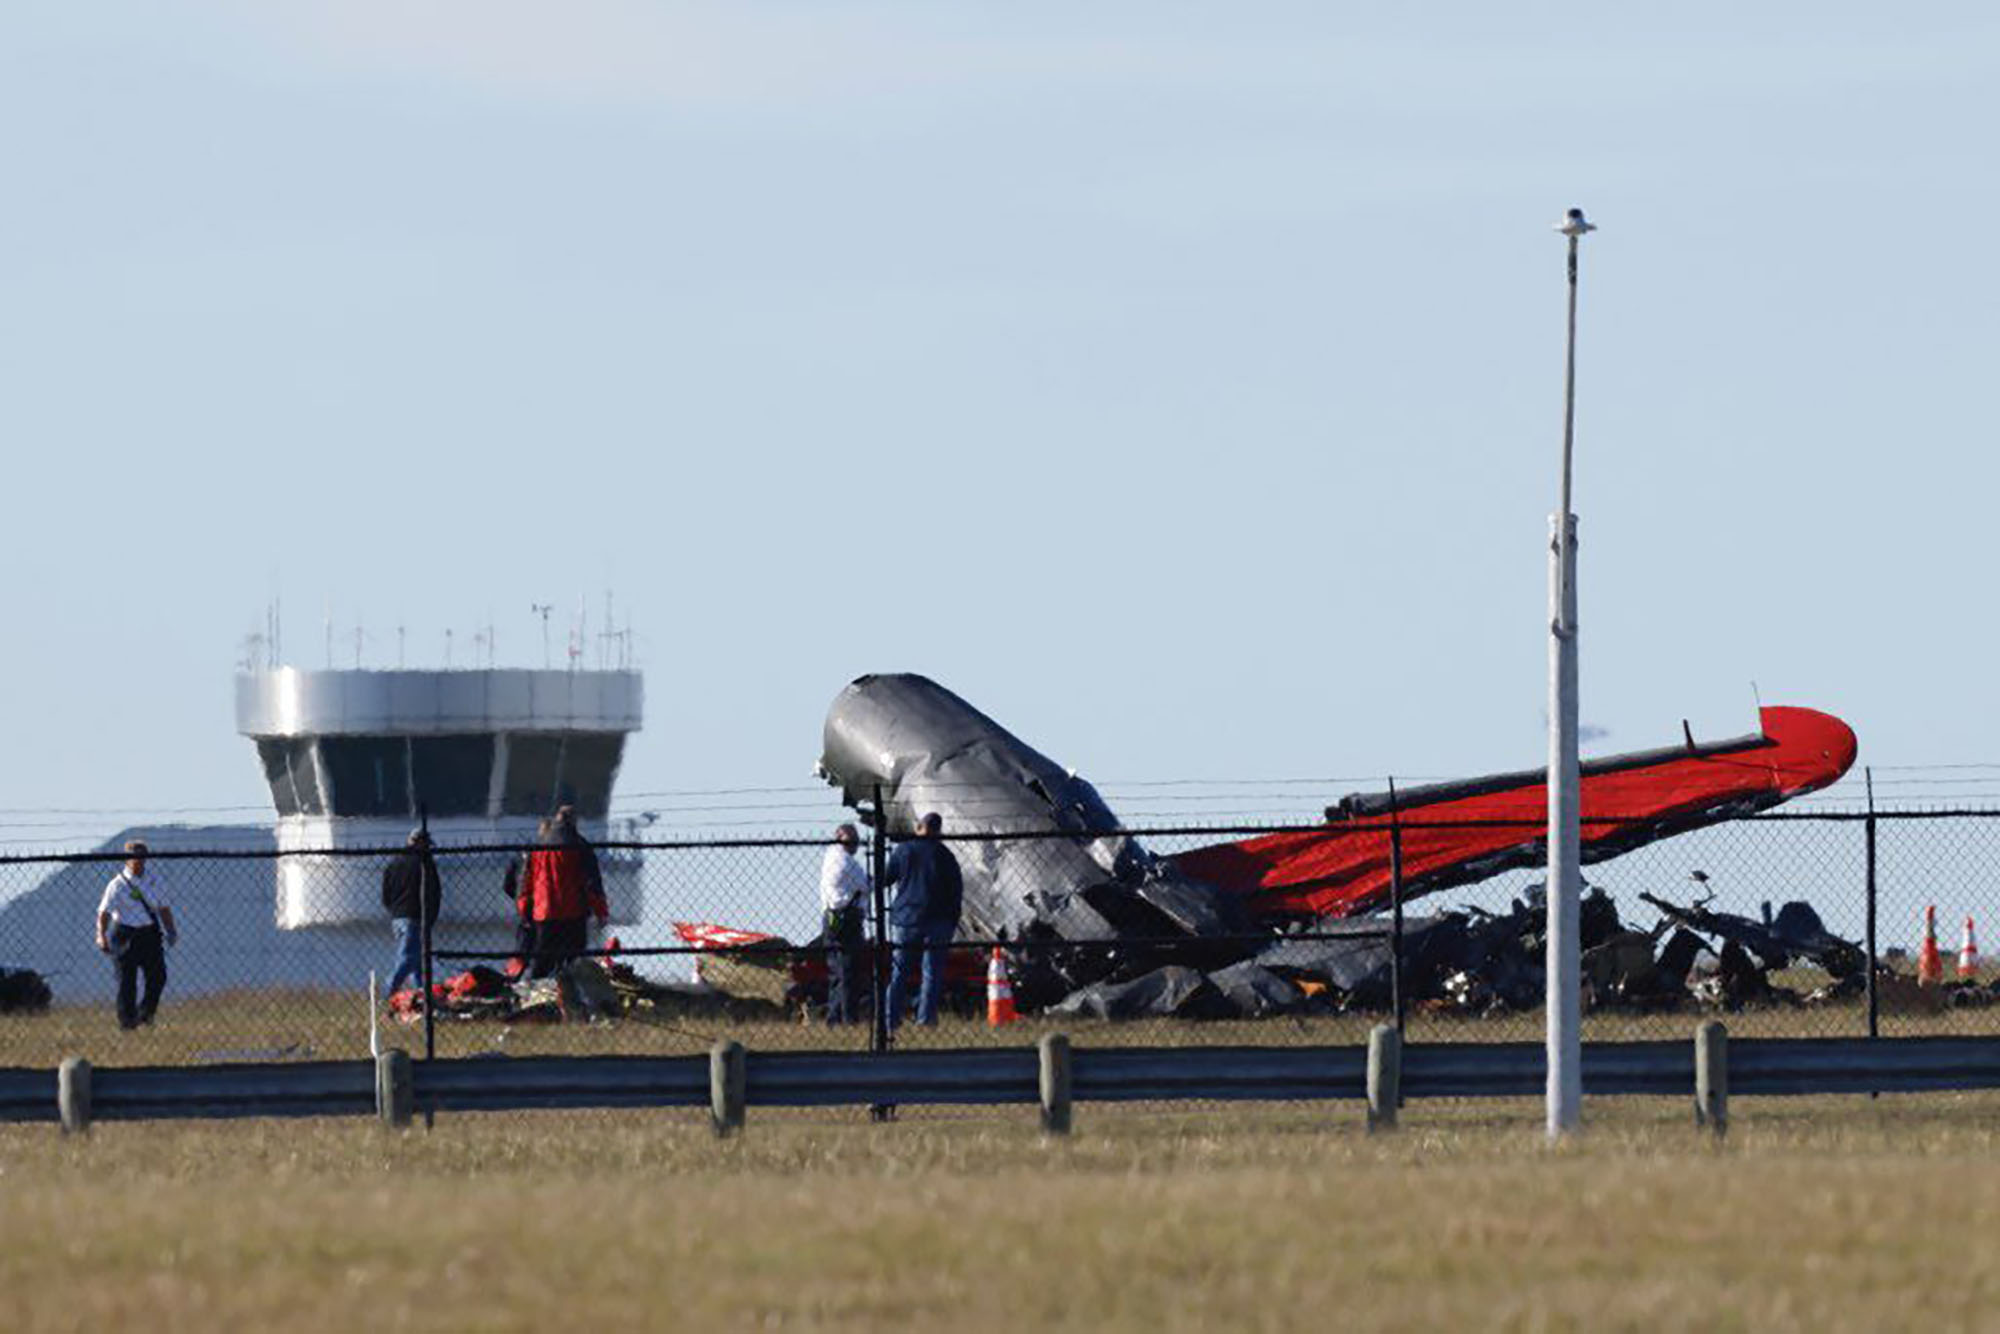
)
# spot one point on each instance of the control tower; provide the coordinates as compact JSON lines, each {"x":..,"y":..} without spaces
{"x":352,"y":756}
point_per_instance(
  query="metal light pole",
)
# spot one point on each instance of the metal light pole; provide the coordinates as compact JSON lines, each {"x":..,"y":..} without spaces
{"x":1564,"y":889}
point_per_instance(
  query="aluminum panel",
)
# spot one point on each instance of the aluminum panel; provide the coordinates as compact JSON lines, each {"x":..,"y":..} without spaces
{"x":461,"y":702}
{"x":292,"y":702}
{"x":510,"y":699}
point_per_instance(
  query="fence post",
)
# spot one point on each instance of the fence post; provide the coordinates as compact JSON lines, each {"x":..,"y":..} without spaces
{"x":1385,"y":1076}
{"x":73,"y":1095}
{"x":1395,"y":907}
{"x":1874,"y":999}
{"x":728,"y":1068}
{"x":1055,"y":1083}
{"x":395,"y":1088}
{"x":878,"y":870}
{"x":1711,"y":1077}
{"x":425,"y":861}
{"x":878,"y":982}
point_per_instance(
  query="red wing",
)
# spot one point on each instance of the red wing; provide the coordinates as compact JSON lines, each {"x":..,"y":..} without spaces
{"x":1457,"y":833}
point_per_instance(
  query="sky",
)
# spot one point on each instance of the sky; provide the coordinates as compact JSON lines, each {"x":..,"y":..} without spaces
{"x":1179,"y":383}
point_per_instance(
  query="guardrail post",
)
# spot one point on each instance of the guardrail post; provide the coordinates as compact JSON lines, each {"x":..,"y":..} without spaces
{"x":1711,"y":1077}
{"x":728,"y":1067}
{"x":395,"y":1088}
{"x":73,"y":1095}
{"x":1385,"y":1076}
{"x":1055,"y":1083}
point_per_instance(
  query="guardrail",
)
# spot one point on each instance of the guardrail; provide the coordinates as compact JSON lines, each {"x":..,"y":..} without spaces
{"x":729,"y":1080}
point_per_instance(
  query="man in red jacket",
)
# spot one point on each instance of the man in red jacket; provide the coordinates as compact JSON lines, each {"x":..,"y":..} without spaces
{"x":560,"y":891}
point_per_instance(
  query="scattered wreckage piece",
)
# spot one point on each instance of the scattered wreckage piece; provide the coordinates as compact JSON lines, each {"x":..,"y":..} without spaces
{"x":1173,"y":992}
{"x":1256,"y":992}
{"x":583,"y":991}
{"x":1794,"y":935}
{"x":23,"y":991}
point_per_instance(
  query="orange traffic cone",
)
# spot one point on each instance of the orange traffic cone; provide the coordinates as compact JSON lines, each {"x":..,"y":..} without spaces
{"x":1930,"y":966}
{"x":999,"y":991}
{"x":1968,"y":953}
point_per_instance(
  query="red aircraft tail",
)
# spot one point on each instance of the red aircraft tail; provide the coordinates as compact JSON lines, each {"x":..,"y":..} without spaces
{"x":1460,"y":832}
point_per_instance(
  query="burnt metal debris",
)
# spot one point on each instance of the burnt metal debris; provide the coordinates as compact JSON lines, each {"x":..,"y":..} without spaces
{"x":1100,"y":926}
{"x":23,"y":991}
{"x":590,"y":991}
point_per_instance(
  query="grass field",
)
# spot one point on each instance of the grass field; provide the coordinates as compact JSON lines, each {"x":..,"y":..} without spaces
{"x":1816,"y":1214}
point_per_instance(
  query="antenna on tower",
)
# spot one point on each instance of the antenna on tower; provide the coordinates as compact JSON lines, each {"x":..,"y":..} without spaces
{"x":359,"y":635}
{"x":329,"y":634}
{"x":447,"y":650}
{"x":542,"y":609}
{"x":399,"y":648}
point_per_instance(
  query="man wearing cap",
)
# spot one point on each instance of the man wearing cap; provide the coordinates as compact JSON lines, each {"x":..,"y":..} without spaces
{"x":843,"y":887}
{"x":134,"y":926}
{"x":924,"y":917}
{"x":411,"y":893}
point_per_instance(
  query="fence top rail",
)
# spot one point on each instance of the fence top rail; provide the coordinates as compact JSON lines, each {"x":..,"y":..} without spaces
{"x":1529,"y":825}
{"x":1339,"y":829}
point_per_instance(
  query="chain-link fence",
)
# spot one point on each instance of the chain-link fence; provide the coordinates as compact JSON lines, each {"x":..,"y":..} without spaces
{"x":290,"y":955}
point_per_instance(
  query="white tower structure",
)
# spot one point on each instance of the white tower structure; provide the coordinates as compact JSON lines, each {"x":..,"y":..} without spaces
{"x":353,"y":756}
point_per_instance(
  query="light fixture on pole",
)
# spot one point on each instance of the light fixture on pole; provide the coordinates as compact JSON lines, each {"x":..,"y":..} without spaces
{"x":1564,"y":1002}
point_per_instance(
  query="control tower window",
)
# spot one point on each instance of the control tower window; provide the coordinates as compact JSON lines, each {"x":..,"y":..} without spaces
{"x":305,"y":777}
{"x":288,"y":767}
{"x":589,"y":763}
{"x":576,"y":768}
{"x":451,"y":773}
{"x":532,"y":761}
{"x":370,"y":774}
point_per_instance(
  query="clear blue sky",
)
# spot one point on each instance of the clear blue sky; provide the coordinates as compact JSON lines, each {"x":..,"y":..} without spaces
{"x":1180,"y":383}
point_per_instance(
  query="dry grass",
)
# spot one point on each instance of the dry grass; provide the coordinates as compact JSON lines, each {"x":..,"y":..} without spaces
{"x":1816,"y":1214}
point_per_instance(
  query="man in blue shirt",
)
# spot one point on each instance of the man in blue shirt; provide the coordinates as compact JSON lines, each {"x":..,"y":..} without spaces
{"x":923,"y":917}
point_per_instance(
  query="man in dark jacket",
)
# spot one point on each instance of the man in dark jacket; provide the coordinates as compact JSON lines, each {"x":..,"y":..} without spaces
{"x":562,"y":889}
{"x":923,"y":917}
{"x":411,"y":893}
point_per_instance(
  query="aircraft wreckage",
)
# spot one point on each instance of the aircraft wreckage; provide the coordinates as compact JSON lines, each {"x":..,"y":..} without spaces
{"x":1104,"y":926}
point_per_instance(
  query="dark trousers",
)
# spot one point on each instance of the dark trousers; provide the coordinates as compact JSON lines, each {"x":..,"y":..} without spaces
{"x":524,"y":942}
{"x":556,"y":943}
{"x":846,"y":972}
{"x":136,"y":950}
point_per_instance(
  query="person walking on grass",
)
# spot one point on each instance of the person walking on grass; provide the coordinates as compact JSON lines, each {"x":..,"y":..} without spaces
{"x":923,"y":916}
{"x":134,"y":926}
{"x":843,"y":889}
{"x":411,"y":894}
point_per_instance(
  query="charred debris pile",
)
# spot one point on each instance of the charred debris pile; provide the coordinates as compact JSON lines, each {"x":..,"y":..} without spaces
{"x":1463,"y":962}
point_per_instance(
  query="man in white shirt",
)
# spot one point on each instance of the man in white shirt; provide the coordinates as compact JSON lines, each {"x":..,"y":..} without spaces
{"x":843,"y":901}
{"x":134,"y":926}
